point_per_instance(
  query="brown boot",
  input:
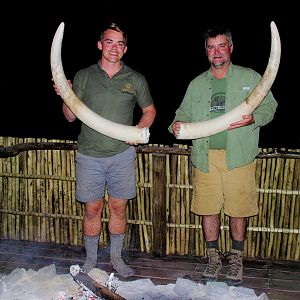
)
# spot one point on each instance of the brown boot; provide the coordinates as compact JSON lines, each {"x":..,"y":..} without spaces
{"x":214,"y":265}
{"x":234,"y":275}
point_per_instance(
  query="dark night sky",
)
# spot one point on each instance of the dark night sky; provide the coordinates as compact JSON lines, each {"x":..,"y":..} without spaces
{"x":166,"y":45}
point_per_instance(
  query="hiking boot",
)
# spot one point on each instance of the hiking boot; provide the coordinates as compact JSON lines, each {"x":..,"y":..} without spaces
{"x":214,"y":265}
{"x":234,"y":275}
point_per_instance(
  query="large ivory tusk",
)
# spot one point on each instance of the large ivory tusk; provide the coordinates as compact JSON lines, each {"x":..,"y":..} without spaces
{"x":114,"y":130}
{"x":219,"y":124}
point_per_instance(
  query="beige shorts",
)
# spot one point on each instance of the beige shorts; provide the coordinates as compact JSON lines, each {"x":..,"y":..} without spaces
{"x":235,"y":190}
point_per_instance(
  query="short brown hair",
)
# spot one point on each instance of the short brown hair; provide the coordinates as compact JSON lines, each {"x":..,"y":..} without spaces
{"x":115,"y":27}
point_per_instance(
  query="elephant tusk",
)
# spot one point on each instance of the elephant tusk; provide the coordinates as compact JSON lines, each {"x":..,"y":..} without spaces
{"x":219,"y":124}
{"x":131,"y":134}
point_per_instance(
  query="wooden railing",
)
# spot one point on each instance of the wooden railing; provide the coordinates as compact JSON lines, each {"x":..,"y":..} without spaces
{"x":38,"y":203}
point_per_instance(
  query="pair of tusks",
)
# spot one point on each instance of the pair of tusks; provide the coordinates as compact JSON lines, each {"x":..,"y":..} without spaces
{"x":219,"y":124}
{"x":136,"y":135}
{"x":131,"y":134}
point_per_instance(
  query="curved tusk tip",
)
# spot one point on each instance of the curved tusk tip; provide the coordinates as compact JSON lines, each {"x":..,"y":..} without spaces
{"x":61,"y":25}
{"x":273,"y":25}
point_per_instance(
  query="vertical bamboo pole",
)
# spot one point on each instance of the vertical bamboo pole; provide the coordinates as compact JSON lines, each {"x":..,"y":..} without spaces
{"x":187,"y":205}
{"x":2,"y":195}
{"x":295,"y":209}
{"x":264,"y":218}
{"x":173,"y":197}
{"x":42,"y":183}
{"x":39,"y":163}
{"x":17,"y":193}
{"x":23,"y":183}
{"x":69,"y":200}
{"x":55,"y":167}
{"x":139,"y":208}
{"x":260,"y":204}
{"x":147,"y":200}
{"x":29,"y":194}
{"x":9,"y":220}
{"x":272,"y":183}
{"x":290,"y":236}
{"x":76,"y":206}
{"x":50,"y":197}
{"x":278,"y":204}
{"x":35,"y":203}
{"x":283,"y":208}
{"x":143,"y":203}
{"x":143,"y":200}
{"x":276,"y":168}
{"x":151,"y":195}
{"x":288,"y":215}
{"x":177,"y":205}
{"x":159,"y":206}
{"x":66,"y":200}
{"x":168,"y":204}
{"x":182,"y":206}
{"x":14,"y":198}
{"x":10,"y":196}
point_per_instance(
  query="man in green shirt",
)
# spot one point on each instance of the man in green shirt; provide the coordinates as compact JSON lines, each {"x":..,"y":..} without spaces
{"x":111,"y":89}
{"x":223,"y":163}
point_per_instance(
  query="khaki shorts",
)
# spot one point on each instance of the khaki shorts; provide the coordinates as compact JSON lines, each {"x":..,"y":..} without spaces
{"x":235,"y":190}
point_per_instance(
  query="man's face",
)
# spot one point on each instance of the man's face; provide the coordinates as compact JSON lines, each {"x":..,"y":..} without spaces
{"x":112,"y":45}
{"x":218,"y":50}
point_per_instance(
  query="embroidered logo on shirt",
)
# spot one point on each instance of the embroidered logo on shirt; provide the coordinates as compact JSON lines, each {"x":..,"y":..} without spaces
{"x":246,"y":88}
{"x":127,"y":88}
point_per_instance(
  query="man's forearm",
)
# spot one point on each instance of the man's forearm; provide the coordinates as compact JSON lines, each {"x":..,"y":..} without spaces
{"x":68,"y":113}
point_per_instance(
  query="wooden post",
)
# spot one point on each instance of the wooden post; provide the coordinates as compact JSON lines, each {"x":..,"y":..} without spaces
{"x":159,"y":224}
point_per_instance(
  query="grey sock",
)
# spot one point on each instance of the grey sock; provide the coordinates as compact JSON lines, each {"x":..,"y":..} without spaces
{"x":116,"y":246}
{"x":91,"y":248}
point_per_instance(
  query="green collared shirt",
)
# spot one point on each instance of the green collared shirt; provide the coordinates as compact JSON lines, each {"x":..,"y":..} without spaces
{"x":242,"y":143}
{"x":111,"y":98}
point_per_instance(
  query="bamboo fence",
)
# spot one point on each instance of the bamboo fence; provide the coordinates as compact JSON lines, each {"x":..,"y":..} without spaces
{"x":38,"y":203}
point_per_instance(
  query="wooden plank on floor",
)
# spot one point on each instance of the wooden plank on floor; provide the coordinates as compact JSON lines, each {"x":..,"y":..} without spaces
{"x":283,"y":295}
